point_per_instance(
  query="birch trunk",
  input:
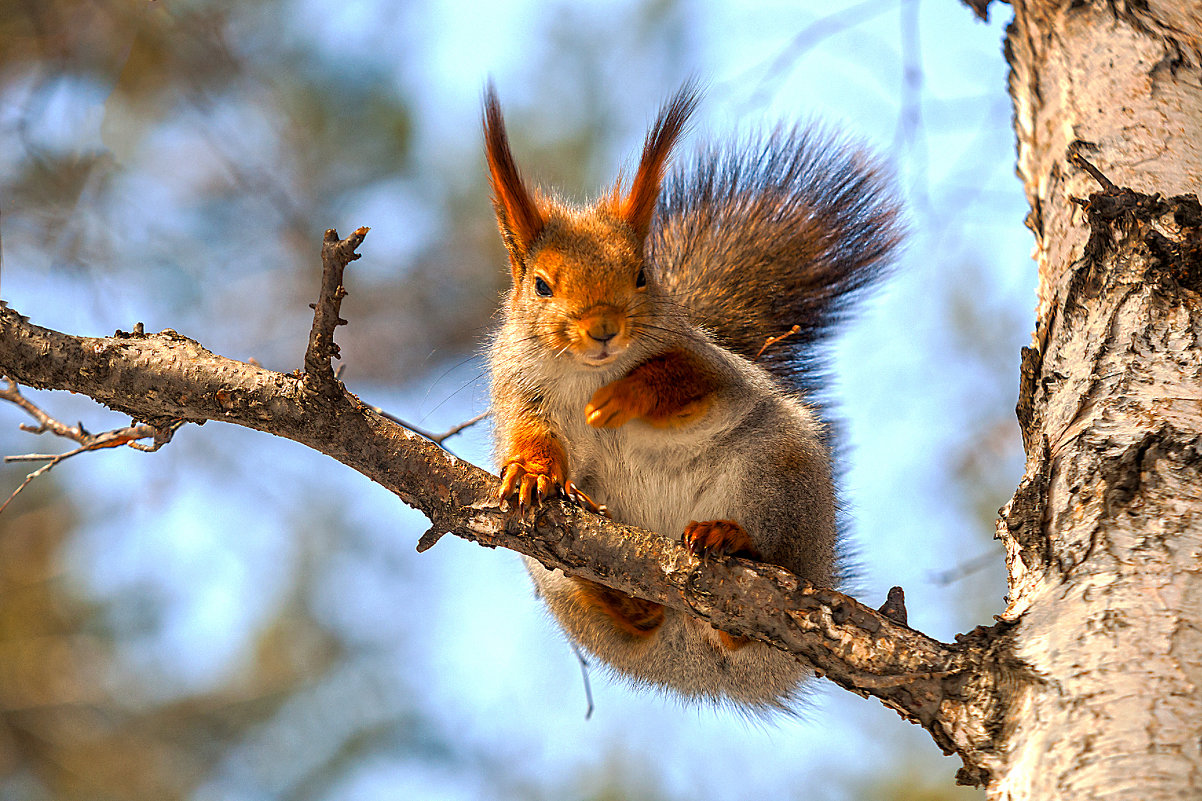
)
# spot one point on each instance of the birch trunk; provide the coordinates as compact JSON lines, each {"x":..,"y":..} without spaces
{"x":1104,"y":535}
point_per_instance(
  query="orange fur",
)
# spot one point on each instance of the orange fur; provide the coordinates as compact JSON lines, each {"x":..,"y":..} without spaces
{"x":733,"y":641}
{"x":672,"y":389}
{"x":537,"y":466}
{"x":634,"y":616}
{"x":638,"y":206}
{"x":518,"y":215}
{"x":722,"y":537}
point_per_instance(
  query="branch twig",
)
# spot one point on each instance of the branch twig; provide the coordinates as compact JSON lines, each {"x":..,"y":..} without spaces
{"x":435,"y":438}
{"x":129,"y":435}
{"x":1075,"y":157}
{"x":770,"y":341}
{"x":335,"y":256}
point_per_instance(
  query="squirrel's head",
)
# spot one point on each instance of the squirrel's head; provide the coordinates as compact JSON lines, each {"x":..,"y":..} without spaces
{"x":579,"y":275}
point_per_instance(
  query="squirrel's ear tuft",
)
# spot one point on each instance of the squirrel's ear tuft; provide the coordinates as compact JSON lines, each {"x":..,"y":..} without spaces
{"x":519,"y":217}
{"x":639,"y":204}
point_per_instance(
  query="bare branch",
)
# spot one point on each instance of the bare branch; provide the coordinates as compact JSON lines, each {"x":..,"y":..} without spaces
{"x":956,"y":691}
{"x":806,"y":39}
{"x":461,"y":427}
{"x":87,"y":442}
{"x":167,"y":376}
{"x":335,"y":256}
{"x":944,"y":578}
{"x":437,"y":438}
{"x":12,"y":393}
{"x":894,"y":607}
{"x":588,"y":686}
{"x":43,"y":469}
{"x":980,"y":8}
{"x":1075,"y":157}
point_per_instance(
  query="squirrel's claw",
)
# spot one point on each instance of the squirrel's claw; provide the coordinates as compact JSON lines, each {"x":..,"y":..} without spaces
{"x":546,"y":488}
{"x":527,"y":485}
{"x":718,"y":537}
{"x":607,"y":416}
{"x":510,"y":477}
{"x":526,"y":492}
{"x":575,"y":494}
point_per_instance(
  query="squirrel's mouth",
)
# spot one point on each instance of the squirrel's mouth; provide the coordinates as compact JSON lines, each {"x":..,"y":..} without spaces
{"x":600,"y":335}
{"x":600,"y":353}
{"x":603,"y":355}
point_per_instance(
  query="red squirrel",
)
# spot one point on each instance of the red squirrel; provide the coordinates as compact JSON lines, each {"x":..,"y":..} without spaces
{"x":627,"y":374}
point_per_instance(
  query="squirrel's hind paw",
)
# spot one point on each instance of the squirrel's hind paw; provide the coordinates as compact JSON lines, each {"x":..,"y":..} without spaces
{"x":718,"y":537}
{"x":574,"y":493}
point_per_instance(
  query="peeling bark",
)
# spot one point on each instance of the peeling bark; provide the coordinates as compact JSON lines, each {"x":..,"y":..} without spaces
{"x":1104,"y":534}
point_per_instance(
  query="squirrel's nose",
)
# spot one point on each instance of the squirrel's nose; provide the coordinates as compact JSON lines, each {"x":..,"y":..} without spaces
{"x":600,"y":328}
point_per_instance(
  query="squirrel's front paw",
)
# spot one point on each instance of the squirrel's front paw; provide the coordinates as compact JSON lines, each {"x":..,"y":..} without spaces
{"x":720,"y":537}
{"x":616,"y":404}
{"x":530,"y":481}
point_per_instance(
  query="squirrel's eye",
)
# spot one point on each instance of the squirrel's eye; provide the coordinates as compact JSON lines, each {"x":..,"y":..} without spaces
{"x":640,"y":280}
{"x":542,"y":287}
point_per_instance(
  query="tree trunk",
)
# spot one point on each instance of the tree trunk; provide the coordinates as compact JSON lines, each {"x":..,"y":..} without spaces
{"x":1104,"y":534}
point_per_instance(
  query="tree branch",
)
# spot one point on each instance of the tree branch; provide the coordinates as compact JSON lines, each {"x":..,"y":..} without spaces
{"x":438,"y":439}
{"x":955,"y":691}
{"x":129,"y":435}
{"x":335,"y":256}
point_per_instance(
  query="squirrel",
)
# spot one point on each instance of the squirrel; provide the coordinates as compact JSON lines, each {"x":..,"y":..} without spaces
{"x":627,"y":374}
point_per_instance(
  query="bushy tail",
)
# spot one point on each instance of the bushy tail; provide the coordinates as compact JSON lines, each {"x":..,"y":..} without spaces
{"x":784,"y":230}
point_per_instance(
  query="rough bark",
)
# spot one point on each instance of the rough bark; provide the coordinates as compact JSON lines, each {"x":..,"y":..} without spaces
{"x":1104,"y":534}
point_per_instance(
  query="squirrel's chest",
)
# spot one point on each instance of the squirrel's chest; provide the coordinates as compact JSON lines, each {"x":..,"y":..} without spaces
{"x":655,"y":479}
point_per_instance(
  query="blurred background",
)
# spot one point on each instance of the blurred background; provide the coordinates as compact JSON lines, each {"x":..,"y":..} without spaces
{"x":235,"y":617}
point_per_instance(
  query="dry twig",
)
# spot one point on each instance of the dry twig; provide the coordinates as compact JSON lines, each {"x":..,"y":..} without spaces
{"x":77,"y":433}
{"x":438,"y":439}
{"x":954,"y":690}
{"x":770,"y":341}
{"x":335,"y":256}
